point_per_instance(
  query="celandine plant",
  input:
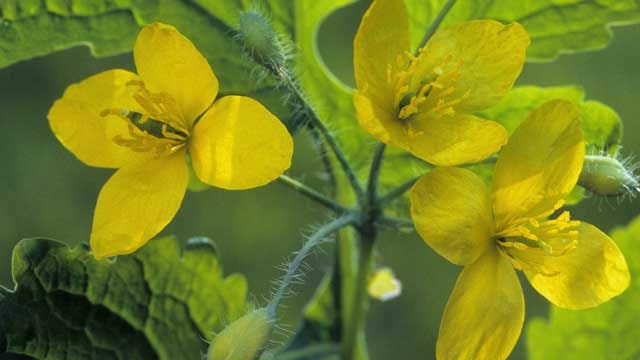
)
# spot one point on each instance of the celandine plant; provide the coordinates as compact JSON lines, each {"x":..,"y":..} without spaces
{"x":433,"y":132}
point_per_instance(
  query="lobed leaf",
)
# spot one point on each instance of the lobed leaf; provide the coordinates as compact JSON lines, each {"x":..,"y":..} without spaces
{"x":556,"y":27}
{"x":35,"y":28}
{"x":601,"y":125}
{"x":158,"y":303}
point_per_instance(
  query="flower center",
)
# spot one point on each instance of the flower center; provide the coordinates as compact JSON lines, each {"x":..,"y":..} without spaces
{"x":528,"y":241}
{"x":420,"y":85}
{"x":159,"y":129}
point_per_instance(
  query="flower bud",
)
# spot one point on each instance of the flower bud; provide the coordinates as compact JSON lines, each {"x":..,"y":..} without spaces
{"x":607,"y":176}
{"x":383,"y":285}
{"x":260,"y":38}
{"x":244,"y":339}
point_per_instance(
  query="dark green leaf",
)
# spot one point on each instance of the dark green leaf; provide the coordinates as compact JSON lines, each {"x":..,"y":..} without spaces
{"x":158,"y":303}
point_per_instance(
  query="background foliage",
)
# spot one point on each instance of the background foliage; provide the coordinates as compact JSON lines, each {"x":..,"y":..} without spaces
{"x":45,"y":191}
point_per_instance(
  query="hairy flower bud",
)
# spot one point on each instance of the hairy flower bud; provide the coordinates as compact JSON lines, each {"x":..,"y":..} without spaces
{"x":260,"y":39}
{"x":243,"y":339}
{"x":608,"y":176}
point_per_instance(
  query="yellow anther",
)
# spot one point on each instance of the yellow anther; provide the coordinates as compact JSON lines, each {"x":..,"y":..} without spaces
{"x":529,"y":240}
{"x":158,"y":129}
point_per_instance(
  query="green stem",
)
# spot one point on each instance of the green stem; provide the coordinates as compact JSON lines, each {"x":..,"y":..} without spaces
{"x":313,"y":194}
{"x":342,"y":159}
{"x":396,"y":223}
{"x":397,"y":192}
{"x":360,"y":304}
{"x":374,"y":174}
{"x":298,"y":260}
{"x":326,"y":160}
{"x":285,"y":77}
{"x":367,"y":232}
{"x":436,"y":23}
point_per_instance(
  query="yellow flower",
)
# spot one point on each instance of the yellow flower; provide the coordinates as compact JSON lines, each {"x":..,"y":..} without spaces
{"x":424,"y":104}
{"x":146,"y":124}
{"x":571,"y":263}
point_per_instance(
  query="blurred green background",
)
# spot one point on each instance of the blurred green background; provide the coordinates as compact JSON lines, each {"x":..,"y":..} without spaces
{"x":45,"y":191}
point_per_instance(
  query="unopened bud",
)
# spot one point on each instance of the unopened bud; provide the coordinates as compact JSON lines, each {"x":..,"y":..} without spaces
{"x":260,"y":38}
{"x":608,"y":176}
{"x":244,"y":339}
{"x":383,"y":285}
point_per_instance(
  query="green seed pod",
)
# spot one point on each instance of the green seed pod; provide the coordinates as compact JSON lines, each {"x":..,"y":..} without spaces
{"x":260,"y":38}
{"x":607,"y":176}
{"x":244,"y":339}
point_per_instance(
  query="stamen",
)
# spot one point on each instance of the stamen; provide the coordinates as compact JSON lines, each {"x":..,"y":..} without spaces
{"x":424,"y":89}
{"x":528,"y":241}
{"x":158,"y":130}
{"x":159,"y":106}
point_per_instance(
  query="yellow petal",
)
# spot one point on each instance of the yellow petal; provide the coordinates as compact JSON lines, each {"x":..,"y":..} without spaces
{"x":451,"y":209}
{"x":540,"y":165}
{"x":449,"y":141}
{"x":488,"y":56}
{"x":168,"y":62}
{"x":382,"y":36}
{"x":239,"y":144}
{"x":136,"y":203}
{"x":382,"y":124}
{"x":484,"y":315}
{"x":594,"y":272}
{"x":76,"y":121}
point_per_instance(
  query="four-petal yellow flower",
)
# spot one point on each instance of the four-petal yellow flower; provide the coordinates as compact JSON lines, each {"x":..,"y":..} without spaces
{"x":146,"y":124}
{"x":424,"y":104}
{"x":571,"y":263}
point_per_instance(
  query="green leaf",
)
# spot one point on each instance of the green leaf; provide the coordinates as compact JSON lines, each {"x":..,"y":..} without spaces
{"x":601,"y":124}
{"x":609,"y":331}
{"x":556,"y":27}
{"x":158,"y":303}
{"x":34,"y":28}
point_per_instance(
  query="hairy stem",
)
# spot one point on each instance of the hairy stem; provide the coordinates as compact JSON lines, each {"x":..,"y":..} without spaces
{"x":315,"y":121}
{"x":436,"y":23}
{"x":397,"y":192}
{"x":395,"y":223}
{"x":313,"y":194}
{"x":298,"y":260}
{"x":326,"y":160}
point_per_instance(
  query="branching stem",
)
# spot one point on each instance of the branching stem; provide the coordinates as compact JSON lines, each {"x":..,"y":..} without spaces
{"x":293,"y":88}
{"x":313,"y":194}
{"x":397,"y":192}
{"x":396,"y":223}
{"x":374,"y":174}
